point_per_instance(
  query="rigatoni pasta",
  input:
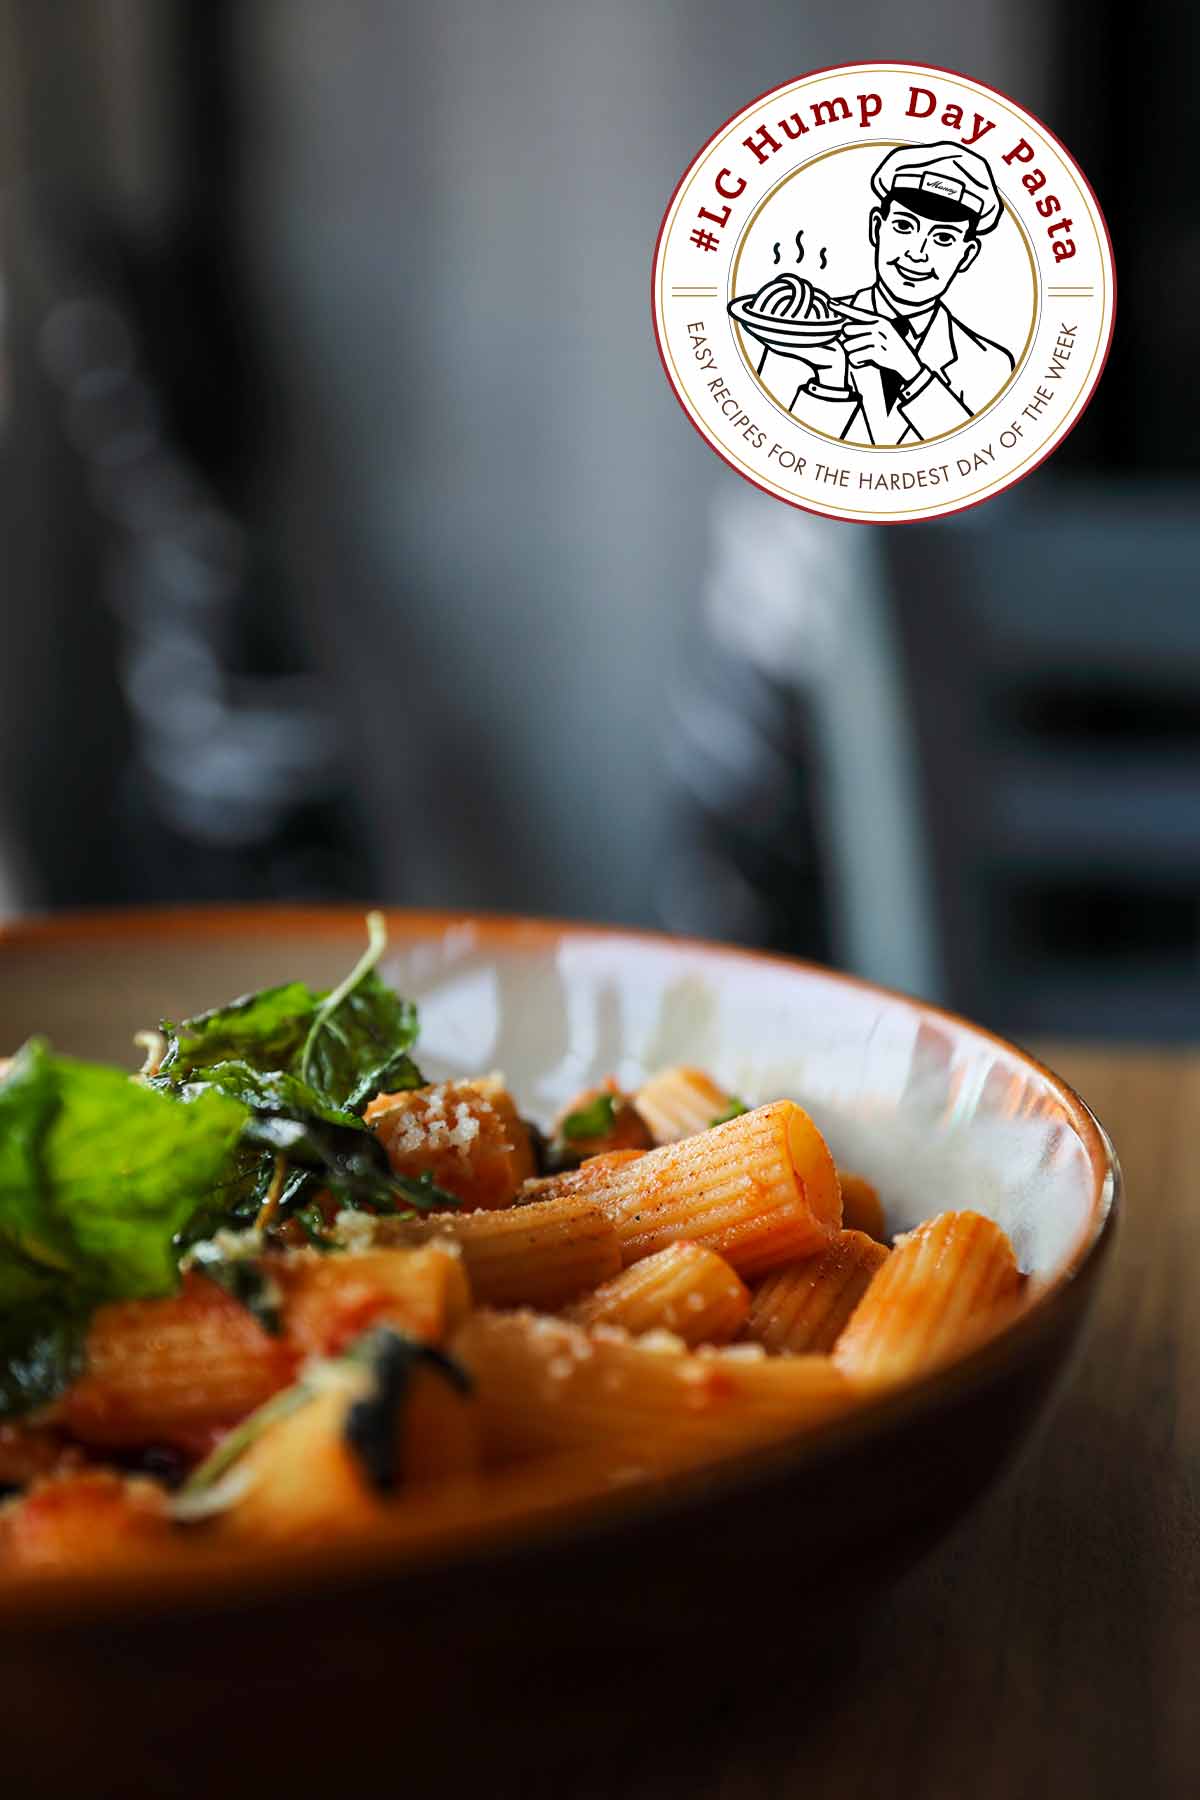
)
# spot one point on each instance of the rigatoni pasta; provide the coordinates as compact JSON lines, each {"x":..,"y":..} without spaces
{"x":327,"y":1296}
{"x":684,"y":1289}
{"x":805,"y":1305}
{"x":944,"y":1287}
{"x":540,"y":1254}
{"x":677,"y":1103}
{"x":862,"y":1209}
{"x":333,"y":1461}
{"x":86,"y":1518}
{"x":544,"y":1386}
{"x":759,"y":1190}
{"x":172,"y":1371}
{"x":326,"y":1302}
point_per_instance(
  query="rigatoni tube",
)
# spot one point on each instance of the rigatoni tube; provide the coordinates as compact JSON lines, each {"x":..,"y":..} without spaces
{"x":302,"y":1479}
{"x":676,"y":1103}
{"x":804,"y":1306}
{"x":685,"y":1289}
{"x":535,"y":1255}
{"x":760,"y":1190}
{"x":329,"y":1300}
{"x":171,"y":1371}
{"x":862,"y":1209}
{"x":944,"y":1287}
{"x":544,"y":1385}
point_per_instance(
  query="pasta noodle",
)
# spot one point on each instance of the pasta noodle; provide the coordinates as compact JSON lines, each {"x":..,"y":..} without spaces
{"x":328,"y":1301}
{"x":543,"y":1385}
{"x":26,"y":1453}
{"x":303,"y":1479}
{"x":172,"y":1371}
{"x":759,"y":1190}
{"x":82,"y":1519}
{"x":804,"y":1306}
{"x":679,"y":1102}
{"x":861,"y":1208}
{"x":541,"y":1254}
{"x":685,"y":1289}
{"x":944,"y":1286}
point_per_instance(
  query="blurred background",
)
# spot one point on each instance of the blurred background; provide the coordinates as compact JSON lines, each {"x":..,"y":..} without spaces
{"x":354,"y":544}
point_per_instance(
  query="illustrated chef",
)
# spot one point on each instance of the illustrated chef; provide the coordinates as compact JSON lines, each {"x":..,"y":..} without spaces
{"x":936,"y":204}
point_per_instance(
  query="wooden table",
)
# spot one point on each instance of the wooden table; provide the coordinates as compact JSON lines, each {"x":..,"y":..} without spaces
{"x":1052,"y":1647}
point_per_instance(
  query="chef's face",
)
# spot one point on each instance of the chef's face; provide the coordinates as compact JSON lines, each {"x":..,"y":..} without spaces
{"x":916,"y":258}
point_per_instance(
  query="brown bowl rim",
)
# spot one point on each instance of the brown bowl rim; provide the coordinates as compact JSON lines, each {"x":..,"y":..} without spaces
{"x":291,"y":1573}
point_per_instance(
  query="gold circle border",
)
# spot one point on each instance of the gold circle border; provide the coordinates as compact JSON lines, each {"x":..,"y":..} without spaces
{"x":757,"y":477}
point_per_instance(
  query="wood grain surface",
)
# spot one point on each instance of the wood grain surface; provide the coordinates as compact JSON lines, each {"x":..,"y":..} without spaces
{"x":1052,"y":1645}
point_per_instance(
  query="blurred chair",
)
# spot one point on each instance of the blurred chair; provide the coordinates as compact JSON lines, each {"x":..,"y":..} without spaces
{"x":1053,"y":644}
{"x":799,"y":814}
{"x":962,"y":758}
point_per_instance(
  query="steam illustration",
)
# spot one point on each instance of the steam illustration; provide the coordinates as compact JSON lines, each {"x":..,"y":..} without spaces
{"x":775,"y":257}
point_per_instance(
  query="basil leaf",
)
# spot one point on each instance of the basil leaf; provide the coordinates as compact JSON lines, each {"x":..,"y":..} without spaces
{"x":357,"y":1044}
{"x":311,"y":1221}
{"x":348,"y":1158}
{"x":97,"y":1175}
{"x":595,"y":1120}
{"x":305,"y":1065}
{"x":264,"y":1092}
{"x":342,"y":1048}
{"x":41,"y":1352}
{"x":734,"y":1110}
{"x":423,"y":1192}
{"x":265,"y":1031}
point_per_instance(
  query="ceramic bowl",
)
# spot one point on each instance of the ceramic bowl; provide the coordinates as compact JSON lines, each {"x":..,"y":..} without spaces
{"x":936,"y":1111}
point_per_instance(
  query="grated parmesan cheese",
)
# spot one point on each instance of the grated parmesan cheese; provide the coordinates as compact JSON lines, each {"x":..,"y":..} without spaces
{"x":354,"y":1230}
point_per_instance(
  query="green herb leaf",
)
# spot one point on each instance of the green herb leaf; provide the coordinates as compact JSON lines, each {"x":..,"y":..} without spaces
{"x":357,"y":1044}
{"x":305,"y":1065}
{"x":734,"y":1110}
{"x":595,"y":1120}
{"x":424,"y":1193}
{"x":41,"y":1352}
{"x":264,"y":1031}
{"x":343,"y":1048}
{"x":311,"y":1221}
{"x":190,"y":1501}
{"x":97,"y":1174}
{"x":265,"y":1093}
{"x":345,"y":1157}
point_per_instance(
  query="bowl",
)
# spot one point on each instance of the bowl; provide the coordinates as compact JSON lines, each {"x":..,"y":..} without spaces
{"x":937,"y":1112}
{"x":787,"y":336}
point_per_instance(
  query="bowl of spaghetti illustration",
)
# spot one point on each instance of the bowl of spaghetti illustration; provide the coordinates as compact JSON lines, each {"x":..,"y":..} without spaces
{"x":789,"y":314}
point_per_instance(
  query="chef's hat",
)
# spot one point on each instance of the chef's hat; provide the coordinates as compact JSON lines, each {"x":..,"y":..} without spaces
{"x":947,"y":171}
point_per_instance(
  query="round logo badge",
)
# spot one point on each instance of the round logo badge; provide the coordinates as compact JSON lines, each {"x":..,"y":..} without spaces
{"x":884,"y":292}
